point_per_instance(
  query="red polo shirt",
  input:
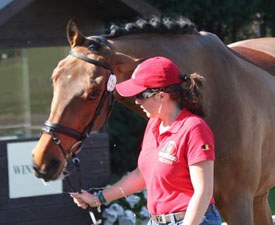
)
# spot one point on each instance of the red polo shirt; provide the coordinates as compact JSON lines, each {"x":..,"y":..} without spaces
{"x":165,"y":159}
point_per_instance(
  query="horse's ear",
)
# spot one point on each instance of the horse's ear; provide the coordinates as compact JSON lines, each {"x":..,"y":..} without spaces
{"x":74,"y":35}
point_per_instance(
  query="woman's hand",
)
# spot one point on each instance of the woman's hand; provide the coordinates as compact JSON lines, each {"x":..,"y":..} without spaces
{"x":85,"y":199}
{"x":128,"y":185}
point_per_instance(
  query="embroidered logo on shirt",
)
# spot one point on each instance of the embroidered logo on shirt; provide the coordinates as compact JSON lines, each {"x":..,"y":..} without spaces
{"x":168,"y":153}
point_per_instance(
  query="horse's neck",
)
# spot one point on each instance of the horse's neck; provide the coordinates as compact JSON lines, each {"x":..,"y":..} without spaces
{"x":149,"y":45}
{"x":190,"y":52}
{"x":203,"y":53}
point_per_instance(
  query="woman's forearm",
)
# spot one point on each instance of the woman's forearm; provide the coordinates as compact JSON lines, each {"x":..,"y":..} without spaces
{"x":197,"y":208}
{"x":130,"y":184}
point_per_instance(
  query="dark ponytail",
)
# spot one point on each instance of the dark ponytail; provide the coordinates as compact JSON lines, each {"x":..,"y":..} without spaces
{"x":189,"y":94}
{"x":192,"y":93}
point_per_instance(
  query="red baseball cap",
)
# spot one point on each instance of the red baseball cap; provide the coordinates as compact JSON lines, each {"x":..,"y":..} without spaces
{"x":155,"y":72}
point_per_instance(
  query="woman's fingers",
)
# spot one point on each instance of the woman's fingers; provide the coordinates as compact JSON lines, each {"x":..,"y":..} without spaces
{"x":75,"y":195}
{"x":82,"y":199}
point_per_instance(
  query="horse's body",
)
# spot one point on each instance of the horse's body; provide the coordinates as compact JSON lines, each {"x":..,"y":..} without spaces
{"x":239,"y":102}
{"x":265,"y":45}
{"x":260,"y":51}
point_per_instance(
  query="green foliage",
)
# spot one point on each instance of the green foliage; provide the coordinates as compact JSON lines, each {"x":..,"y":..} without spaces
{"x":231,"y":20}
{"x":126,"y":130}
{"x":267,"y":9}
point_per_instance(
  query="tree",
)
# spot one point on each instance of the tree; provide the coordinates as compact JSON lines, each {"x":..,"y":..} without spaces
{"x":126,"y":130}
{"x":267,"y":16}
{"x":231,"y":20}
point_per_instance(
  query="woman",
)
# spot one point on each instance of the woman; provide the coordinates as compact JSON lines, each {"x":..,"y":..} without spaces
{"x":176,"y":161}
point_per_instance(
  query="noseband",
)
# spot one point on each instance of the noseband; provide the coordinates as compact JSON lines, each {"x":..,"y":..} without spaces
{"x":52,"y":128}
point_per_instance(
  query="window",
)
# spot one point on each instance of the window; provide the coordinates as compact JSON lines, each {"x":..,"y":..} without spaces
{"x":26,"y":89}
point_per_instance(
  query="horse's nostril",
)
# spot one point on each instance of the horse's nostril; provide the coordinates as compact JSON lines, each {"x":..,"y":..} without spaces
{"x":54,"y":164}
{"x":53,"y":167}
{"x":38,"y":173}
{"x":36,"y":169}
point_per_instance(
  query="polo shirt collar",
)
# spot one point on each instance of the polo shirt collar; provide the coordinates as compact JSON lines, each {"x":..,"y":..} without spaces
{"x":175,"y":126}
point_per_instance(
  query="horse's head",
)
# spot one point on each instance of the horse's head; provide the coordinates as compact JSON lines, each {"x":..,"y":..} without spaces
{"x":82,"y":88}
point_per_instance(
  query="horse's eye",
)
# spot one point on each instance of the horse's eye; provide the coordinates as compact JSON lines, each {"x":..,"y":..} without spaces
{"x":94,"y":95}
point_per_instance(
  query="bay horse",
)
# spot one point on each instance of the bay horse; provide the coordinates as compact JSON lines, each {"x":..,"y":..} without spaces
{"x":239,"y":102}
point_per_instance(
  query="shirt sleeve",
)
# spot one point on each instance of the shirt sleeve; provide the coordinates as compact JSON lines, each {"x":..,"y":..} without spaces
{"x":200,"y":144}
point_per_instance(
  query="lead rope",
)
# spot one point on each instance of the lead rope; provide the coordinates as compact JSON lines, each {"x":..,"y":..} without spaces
{"x":110,"y":87}
{"x":76,"y":162}
{"x":111,"y":83}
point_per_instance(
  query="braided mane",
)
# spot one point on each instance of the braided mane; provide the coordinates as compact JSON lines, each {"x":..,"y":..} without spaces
{"x":180,"y":25}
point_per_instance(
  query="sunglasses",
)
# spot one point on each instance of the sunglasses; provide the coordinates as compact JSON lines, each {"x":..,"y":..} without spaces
{"x":146,"y":94}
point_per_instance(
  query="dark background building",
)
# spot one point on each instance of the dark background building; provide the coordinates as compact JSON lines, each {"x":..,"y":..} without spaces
{"x":29,"y":23}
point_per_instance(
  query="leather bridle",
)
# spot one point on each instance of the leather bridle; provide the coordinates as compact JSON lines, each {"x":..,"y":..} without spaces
{"x":53,"y":128}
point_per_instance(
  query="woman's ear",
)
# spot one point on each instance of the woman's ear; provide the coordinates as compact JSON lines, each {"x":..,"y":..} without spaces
{"x":162,"y":96}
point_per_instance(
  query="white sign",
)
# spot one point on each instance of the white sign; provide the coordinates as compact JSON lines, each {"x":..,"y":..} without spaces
{"x":22,"y":181}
